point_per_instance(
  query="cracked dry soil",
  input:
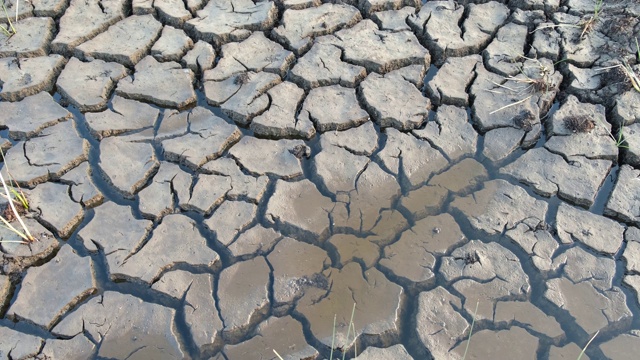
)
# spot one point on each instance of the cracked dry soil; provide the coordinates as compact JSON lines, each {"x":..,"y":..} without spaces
{"x":221,"y":179}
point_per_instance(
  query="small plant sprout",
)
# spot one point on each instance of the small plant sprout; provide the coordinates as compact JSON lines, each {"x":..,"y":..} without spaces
{"x":588,"y":343}
{"x":588,"y":24}
{"x":14,"y":197}
{"x":11,"y":30}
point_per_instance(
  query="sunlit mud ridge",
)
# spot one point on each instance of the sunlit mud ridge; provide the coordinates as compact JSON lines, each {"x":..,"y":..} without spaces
{"x":226,"y":179}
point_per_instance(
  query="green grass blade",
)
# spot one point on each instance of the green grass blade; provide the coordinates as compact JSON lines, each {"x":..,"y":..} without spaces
{"x":588,"y":343}
{"x":278,"y":355}
{"x":473,"y":322}
{"x":353,"y":311}
{"x":333,"y":336}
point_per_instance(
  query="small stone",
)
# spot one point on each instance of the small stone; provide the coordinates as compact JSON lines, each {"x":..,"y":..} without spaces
{"x":172,"y":44}
{"x":42,"y":282}
{"x":322,"y":66}
{"x":231,"y":219}
{"x":140,"y":30}
{"x":87,"y":85}
{"x":84,"y":20}
{"x":243,"y":292}
{"x":223,"y":21}
{"x":276,"y":157}
{"x":30,"y":116}
{"x":124,"y":116}
{"x":31,"y":39}
{"x":126,"y":165}
{"x":26,"y":77}
{"x":148,"y":264}
{"x":151,"y":330}
{"x":393,"y":101}
{"x":200,"y":58}
{"x":300,"y":27}
{"x":148,"y":83}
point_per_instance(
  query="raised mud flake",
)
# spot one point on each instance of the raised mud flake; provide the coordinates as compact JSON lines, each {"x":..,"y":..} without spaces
{"x":56,"y":208}
{"x":322,"y":66}
{"x":98,"y":234}
{"x":343,"y":113}
{"x":127,"y":165}
{"x":576,"y":180}
{"x":25,"y":77}
{"x":283,"y":335}
{"x":514,"y":343}
{"x":624,"y":204}
{"x":487,"y":272}
{"x":631,"y":135}
{"x":124,"y":116}
{"x":50,"y":8}
{"x":243,"y":292}
{"x":43,"y":282}
{"x":82,"y":188}
{"x":413,"y":256}
{"x":172,"y":12}
{"x":55,"y":151}
{"x":201,"y":315}
{"x":361,"y":140}
{"x":301,"y":205}
{"x":372,"y":6}
{"x":501,"y":142}
{"x":242,"y":96}
{"x":31,"y":39}
{"x":631,"y":253}
{"x":30,"y":116}
{"x":300,"y":27}
{"x":338,"y":170}
{"x":87,"y":85}
{"x":585,"y":290}
{"x":461,"y":177}
{"x":499,"y":206}
{"x":257,"y":53}
{"x":16,"y":11}
{"x":78,"y":347}
{"x":582,"y":50}
{"x":397,"y":352}
{"x":200,"y":58}
{"x":437,"y":24}
{"x":223,"y":21}
{"x":579,"y":129}
{"x":256,"y":241}
{"x":276,"y":156}
{"x":243,"y":187}
{"x":395,"y":20}
{"x":424,"y":201}
{"x":351,"y":248}
{"x":280,"y":121}
{"x":19,"y":256}
{"x":438,"y":322}
{"x":507,"y":48}
{"x":208,"y":192}
{"x":529,"y":315}
{"x":297,"y":266}
{"x":419,"y":160}
{"x":153,"y":259}
{"x":622,"y":346}
{"x":537,"y":242}
{"x":599,"y":233}
{"x":452,"y":79}
{"x":149,"y":83}
{"x":207,"y":138}
{"x":377,"y":300}
{"x":18,"y":345}
{"x":231,"y":219}
{"x":140,"y":32}
{"x":377,"y":50}
{"x":5,"y":290}
{"x":150,"y":334}
{"x":84,"y":20}
{"x":172,"y":44}
{"x":157,"y":199}
{"x":626,"y":110}
{"x":394,"y":101}
{"x":546,"y":42}
{"x":633,"y":282}
{"x":450,"y":132}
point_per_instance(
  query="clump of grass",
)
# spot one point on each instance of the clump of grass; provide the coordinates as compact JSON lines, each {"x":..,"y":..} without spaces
{"x":589,"y":23}
{"x":11,"y":30}
{"x":579,"y":123}
{"x":628,"y":71}
{"x":14,"y":197}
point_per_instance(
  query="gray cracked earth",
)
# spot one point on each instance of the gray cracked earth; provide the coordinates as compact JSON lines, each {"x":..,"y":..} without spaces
{"x":228,"y":179}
